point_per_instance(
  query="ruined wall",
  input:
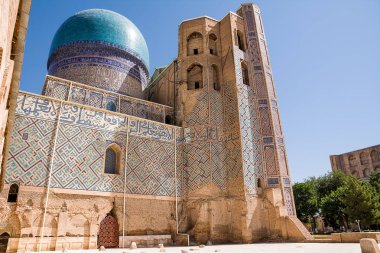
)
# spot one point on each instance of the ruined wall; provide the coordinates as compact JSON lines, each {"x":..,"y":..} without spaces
{"x":73,"y":218}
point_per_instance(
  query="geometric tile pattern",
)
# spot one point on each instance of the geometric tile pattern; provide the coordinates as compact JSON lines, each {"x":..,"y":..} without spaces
{"x":219,"y":160}
{"x":150,"y":167}
{"x":270,"y":160}
{"x":79,"y":159}
{"x":266,"y":123}
{"x":60,"y":89}
{"x":197,"y":164}
{"x":200,"y":112}
{"x":28,"y":162}
{"x":249,"y":127}
{"x":180,"y":160}
{"x":88,"y":95}
{"x":77,"y":95}
{"x":233,"y":164}
{"x":260,"y":86}
{"x":216,"y":108}
{"x":231,"y":116}
{"x":288,"y":200}
{"x":81,"y":142}
{"x":94,"y":99}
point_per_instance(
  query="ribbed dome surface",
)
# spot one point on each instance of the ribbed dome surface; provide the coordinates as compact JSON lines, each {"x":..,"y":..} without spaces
{"x":101,"y":25}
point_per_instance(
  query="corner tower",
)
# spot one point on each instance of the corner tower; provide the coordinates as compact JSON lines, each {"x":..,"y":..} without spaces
{"x":103,"y":49}
{"x":265,"y":165}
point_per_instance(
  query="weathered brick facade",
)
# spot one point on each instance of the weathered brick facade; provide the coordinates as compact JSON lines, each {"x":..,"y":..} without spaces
{"x":359,"y":163}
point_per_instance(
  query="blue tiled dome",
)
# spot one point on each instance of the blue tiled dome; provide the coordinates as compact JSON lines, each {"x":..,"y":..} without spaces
{"x":102,"y":25}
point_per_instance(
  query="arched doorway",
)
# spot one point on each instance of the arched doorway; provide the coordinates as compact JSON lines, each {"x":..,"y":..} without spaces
{"x":4,"y":237}
{"x":108,"y":232}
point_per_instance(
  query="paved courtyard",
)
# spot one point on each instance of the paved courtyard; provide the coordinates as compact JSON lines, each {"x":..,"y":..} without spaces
{"x":250,"y":248}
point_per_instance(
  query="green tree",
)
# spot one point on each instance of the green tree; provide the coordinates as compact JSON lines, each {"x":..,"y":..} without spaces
{"x":339,"y":198}
{"x":332,"y":208}
{"x":305,"y":197}
{"x":328,"y":183}
{"x":374,"y":181}
{"x":328,"y":198}
{"x":361,"y":201}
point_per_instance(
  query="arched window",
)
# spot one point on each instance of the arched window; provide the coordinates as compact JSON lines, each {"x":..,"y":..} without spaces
{"x":112,"y":161}
{"x":352,"y":160}
{"x":4,"y":238}
{"x":212,"y":44}
{"x":366,"y":173}
{"x":168,"y":119}
{"x":194,"y":43}
{"x":240,"y":40}
{"x":215,"y":77}
{"x":111,"y":106}
{"x":363,"y":158}
{"x":195,"y":77}
{"x":374,"y":156}
{"x":258,"y":182}
{"x":354,"y":173}
{"x":12,"y":194}
{"x":244,"y":73}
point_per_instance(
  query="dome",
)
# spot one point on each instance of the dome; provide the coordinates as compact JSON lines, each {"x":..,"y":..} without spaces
{"x":102,"y":49}
{"x":101,"y":25}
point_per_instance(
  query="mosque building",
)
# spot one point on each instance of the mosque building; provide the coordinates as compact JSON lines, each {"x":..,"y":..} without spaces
{"x":109,"y":155}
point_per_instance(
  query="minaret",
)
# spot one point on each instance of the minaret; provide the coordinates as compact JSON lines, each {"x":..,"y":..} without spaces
{"x":265,"y":167}
{"x":267,"y":134}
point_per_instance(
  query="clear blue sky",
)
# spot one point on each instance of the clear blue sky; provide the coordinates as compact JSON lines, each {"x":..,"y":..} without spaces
{"x":325,"y":56}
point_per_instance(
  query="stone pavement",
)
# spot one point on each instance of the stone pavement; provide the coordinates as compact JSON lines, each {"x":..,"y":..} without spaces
{"x":248,"y":248}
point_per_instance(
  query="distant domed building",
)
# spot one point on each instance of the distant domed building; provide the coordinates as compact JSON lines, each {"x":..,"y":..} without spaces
{"x":103,"y":49}
{"x":105,"y":157}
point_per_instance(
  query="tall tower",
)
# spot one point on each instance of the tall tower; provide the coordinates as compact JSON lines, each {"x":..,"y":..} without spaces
{"x":262,"y":139}
{"x":258,"y":109}
{"x":236,"y":183}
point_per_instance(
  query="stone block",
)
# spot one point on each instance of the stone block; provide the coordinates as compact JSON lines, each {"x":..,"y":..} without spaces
{"x":368,"y":245}
{"x":182,"y":240}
